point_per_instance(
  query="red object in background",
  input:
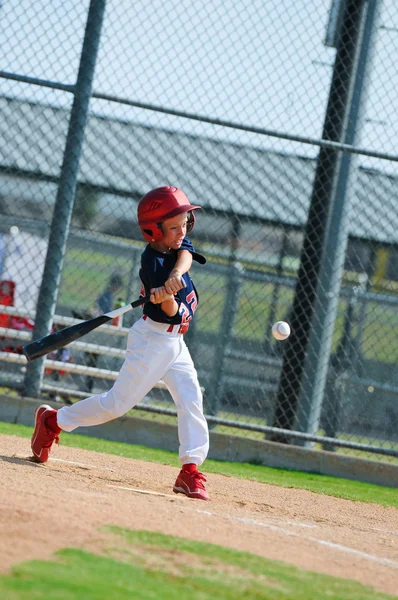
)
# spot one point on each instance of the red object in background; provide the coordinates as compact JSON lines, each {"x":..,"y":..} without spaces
{"x":7,"y":298}
{"x":118,"y":321}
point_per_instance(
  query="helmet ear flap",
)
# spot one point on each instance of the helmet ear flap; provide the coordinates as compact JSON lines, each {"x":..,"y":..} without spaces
{"x":190,"y":221}
{"x":155,"y":234}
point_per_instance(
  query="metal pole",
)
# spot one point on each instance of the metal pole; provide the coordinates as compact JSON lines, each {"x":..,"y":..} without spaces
{"x":319,"y":219}
{"x":333,"y":255}
{"x":66,"y":191}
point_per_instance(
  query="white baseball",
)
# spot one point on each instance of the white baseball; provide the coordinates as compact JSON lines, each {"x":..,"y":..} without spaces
{"x":281,"y":330}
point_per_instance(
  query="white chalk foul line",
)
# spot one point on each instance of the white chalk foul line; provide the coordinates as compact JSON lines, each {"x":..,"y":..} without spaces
{"x":60,"y":460}
{"x":75,"y":464}
{"x":248,"y":521}
{"x":146,"y":492}
{"x":80,"y":464}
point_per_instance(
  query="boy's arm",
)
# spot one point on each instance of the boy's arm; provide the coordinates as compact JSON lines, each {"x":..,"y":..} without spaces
{"x":165,"y":295}
{"x":182,"y":265}
{"x":167,"y":301}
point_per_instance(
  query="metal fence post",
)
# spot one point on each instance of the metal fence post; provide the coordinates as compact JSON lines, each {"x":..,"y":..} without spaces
{"x":333,"y":256}
{"x":66,"y":191}
{"x":324,"y":214}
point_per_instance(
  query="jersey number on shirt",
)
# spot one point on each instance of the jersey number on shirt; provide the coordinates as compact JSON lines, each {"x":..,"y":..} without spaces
{"x":184,"y":311}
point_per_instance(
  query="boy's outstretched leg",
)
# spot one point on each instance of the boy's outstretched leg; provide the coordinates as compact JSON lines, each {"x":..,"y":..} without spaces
{"x":191,"y":483}
{"x":46,"y":432}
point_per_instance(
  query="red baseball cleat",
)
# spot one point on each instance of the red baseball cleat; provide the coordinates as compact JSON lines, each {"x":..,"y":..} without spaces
{"x":43,"y":437}
{"x":191,"y":484}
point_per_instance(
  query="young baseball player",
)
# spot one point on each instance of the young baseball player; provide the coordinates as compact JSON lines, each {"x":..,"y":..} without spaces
{"x":155,"y":347}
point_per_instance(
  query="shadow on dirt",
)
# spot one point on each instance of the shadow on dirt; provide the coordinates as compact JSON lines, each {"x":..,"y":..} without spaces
{"x":20,"y":460}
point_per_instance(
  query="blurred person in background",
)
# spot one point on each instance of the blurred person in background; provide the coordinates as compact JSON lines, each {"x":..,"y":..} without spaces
{"x":107,"y":301}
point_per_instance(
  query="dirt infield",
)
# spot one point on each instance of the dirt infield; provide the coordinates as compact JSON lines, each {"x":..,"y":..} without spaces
{"x":64,"y":503}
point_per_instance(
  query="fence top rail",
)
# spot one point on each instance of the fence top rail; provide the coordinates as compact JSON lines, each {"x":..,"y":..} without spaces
{"x":322,"y":143}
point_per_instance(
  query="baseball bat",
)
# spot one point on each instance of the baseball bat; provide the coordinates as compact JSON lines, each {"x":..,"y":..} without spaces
{"x":62,"y":338}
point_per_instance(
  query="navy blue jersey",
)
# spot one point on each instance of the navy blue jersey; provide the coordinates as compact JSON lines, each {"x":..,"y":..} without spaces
{"x":155,"y":270}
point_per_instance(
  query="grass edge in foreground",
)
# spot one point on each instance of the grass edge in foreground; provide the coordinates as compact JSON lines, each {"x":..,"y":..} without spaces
{"x":143,"y":564}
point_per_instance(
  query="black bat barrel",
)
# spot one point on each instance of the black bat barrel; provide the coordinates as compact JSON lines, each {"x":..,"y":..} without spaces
{"x":65,"y":336}
{"x":62,"y":338}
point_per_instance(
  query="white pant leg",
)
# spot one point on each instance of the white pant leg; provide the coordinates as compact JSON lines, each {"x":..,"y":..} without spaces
{"x":182,"y":382}
{"x":149,"y":354}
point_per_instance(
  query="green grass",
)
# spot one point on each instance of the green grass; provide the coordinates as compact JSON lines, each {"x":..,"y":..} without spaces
{"x":321,"y":484}
{"x":152,"y":566}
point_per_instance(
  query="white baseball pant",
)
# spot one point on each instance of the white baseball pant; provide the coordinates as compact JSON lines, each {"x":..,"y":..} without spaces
{"x":152,"y":354}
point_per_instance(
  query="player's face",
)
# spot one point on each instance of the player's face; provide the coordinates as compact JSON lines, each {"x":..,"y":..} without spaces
{"x":174,"y":231}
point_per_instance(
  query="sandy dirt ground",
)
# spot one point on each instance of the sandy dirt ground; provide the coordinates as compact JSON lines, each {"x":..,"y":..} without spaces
{"x":64,"y":503}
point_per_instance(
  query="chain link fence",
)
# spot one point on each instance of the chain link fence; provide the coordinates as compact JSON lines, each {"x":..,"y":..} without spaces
{"x":278,"y":119}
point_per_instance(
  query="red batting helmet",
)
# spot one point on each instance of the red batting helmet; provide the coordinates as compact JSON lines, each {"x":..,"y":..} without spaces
{"x":161,"y":204}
